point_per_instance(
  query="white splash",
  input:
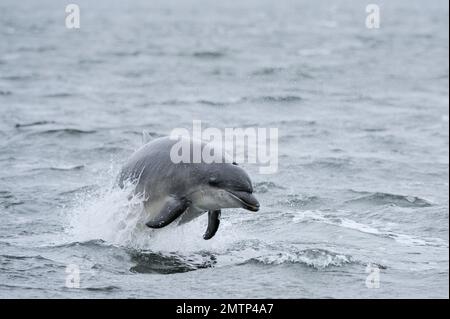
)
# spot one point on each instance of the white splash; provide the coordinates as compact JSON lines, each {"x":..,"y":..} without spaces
{"x":116,"y":217}
{"x":381,"y":230}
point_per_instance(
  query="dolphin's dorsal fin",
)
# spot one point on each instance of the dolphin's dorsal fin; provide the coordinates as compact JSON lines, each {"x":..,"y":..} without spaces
{"x":146,"y":137}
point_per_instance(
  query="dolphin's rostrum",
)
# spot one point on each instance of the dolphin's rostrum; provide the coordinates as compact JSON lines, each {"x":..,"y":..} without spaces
{"x":186,"y":190}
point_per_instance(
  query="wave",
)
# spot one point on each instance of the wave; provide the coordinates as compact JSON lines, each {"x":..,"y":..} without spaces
{"x":68,"y":168}
{"x":132,"y":53}
{"x":108,"y":218}
{"x":8,"y":199}
{"x":93,"y":243}
{"x":19,"y":78}
{"x":5,"y":93}
{"x":208,"y":54}
{"x":274,"y":71}
{"x":211,"y":103}
{"x":405,"y":239}
{"x":168,"y":263}
{"x":13,"y":203}
{"x":36,"y":49}
{"x":204,"y":101}
{"x":14,"y":257}
{"x":301,"y":201}
{"x":264,"y":187}
{"x":38,"y":123}
{"x":80,"y":190}
{"x":268,"y":71}
{"x":90,"y":61}
{"x":252,"y":252}
{"x":239,"y":253}
{"x":237,"y":100}
{"x":314,"y":258}
{"x":103,"y":288}
{"x":276,"y":99}
{"x":58,"y":95}
{"x":334,"y":163}
{"x":313,"y":52}
{"x":60,"y":168}
{"x":6,"y":194}
{"x":380,"y":199}
{"x":68,"y":131}
{"x":298,"y":123}
{"x":23,"y":265}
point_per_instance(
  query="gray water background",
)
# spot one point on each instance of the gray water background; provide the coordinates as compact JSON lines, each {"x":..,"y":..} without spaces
{"x":363,"y":147}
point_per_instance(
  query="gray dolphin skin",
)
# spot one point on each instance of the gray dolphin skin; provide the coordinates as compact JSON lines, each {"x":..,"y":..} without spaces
{"x":185,"y":190}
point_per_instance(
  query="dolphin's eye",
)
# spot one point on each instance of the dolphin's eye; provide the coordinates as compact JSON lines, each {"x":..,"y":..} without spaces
{"x":213,"y":181}
{"x":234,"y":163}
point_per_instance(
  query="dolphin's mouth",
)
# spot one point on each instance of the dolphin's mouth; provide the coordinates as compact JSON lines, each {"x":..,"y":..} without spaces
{"x":247,"y":200}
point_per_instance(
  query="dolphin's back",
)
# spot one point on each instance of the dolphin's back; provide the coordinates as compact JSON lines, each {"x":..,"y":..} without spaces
{"x":153,"y":172}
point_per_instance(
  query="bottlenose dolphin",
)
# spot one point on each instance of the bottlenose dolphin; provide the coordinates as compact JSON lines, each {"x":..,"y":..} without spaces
{"x":187,"y":190}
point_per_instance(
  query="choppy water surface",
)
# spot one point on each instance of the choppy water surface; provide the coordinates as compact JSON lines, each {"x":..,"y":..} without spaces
{"x":363,"y":164}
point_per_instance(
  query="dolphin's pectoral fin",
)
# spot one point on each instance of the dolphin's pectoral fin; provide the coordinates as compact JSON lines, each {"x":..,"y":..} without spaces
{"x":213,"y":224}
{"x":171,"y":209}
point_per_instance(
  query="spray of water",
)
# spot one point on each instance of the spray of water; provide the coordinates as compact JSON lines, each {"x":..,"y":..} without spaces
{"x":117,"y":217}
